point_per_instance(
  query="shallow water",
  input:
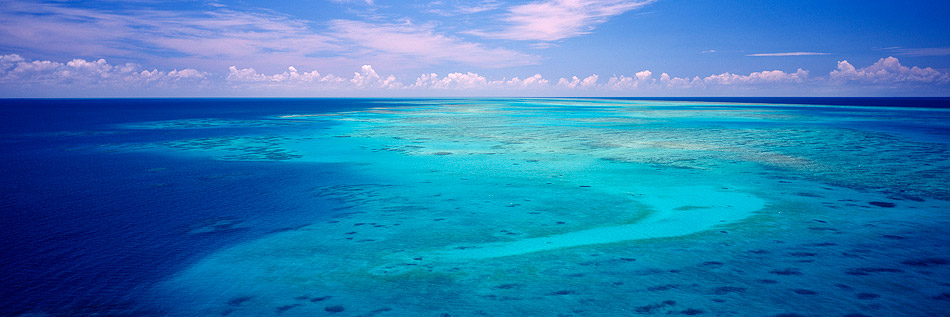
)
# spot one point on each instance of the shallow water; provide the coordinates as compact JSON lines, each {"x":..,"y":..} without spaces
{"x":548,"y":207}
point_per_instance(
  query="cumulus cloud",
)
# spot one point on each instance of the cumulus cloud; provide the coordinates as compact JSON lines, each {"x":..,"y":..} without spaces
{"x":529,"y":82}
{"x":475,"y":81}
{"x":17,"y":71}
{"x":292,"y":78}
{"x":668,"y":81}
{"x":452,"y":81}
{"x":769,"y":76}
{"x":367,"y":78}
{"x":575,"y":82}
{"x":552,"y":20}
{"x":640,"y":79}
{"x":645,"y":80}
{"x":289,"y":77}
{"x":887,"y":71}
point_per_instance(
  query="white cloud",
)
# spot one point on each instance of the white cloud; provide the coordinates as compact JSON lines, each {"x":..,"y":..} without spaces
{"x":789,"y":54}
{"x":552,"y":20}
{"x":640,"y":79}
{"x":887,"y":71}
{"x":290,"y":77}
{"x":422,"y":43}
{"x":464,"y":7}
{"x":452,"y":81}
{"x":677,"y":82}
{"x":16,"y":71}
{"x":645,"y":80}
{"x":929,"y":51}
{"x":768,"y":76}
{"x":368,"y":2}
{"x":475,"y":81}
{"x":210,"y":37}
{"x":367,"y":78}
{"x":575,"y":82}
{"x":535,"y":81}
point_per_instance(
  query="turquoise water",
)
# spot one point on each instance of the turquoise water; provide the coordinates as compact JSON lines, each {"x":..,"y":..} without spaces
{"x":573,"y":207}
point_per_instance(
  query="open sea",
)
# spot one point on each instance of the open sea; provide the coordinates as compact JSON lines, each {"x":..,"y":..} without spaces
{"x":475,"y":207}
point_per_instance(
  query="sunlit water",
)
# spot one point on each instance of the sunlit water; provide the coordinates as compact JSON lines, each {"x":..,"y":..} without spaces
{"x":491,"y":207}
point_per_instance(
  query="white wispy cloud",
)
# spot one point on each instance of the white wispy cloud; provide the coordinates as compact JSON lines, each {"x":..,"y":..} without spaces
{"x":888,"y":71}
{"x":424,"y":44}
{"x":463,"y":7}
{"x":927,"y":51}
{"x":552,"y":20}
{"x":368,"y":2}
{"x":789,"y":54}
{"x":218,"y":37}
{"x":159,"y":36}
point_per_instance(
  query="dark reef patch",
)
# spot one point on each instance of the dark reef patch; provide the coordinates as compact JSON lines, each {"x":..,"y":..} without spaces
{"x":882,"y":204}
{"x":648,"y":309}
{"x":661,"y":287}
{"x":334,"y":309}
{"x":869,"y":270}
{"x":711,"y":264}
{"x":237,"y":301}
{"x":788,"y":271}
{"x":926,"y":262}
{"x":723,"y":290}
{"x":320,"y":299}
{"x":282,"y":309}
{"x":564,"y":292}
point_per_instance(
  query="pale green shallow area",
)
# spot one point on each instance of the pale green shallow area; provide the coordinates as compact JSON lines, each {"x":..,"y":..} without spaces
{"x":590,"y":207}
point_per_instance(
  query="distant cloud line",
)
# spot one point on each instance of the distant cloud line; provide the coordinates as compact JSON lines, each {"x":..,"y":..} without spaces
{"x":789,"y":54}
{"x":17,"y":71}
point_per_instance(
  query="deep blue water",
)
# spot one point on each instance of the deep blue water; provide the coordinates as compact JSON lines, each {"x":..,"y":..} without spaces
{"x":83,"y":229}
{"x":86,"y":228}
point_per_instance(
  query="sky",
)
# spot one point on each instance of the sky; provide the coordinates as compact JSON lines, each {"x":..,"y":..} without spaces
{"x":448,"y":48}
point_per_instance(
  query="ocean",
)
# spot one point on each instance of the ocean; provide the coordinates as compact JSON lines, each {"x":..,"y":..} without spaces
{"x":466,"y":207}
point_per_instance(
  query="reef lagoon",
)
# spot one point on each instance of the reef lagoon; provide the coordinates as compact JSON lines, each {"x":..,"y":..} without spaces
{"x":475,"y":207}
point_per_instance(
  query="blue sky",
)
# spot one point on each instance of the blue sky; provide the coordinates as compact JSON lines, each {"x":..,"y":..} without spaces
{"x":474,"y":48}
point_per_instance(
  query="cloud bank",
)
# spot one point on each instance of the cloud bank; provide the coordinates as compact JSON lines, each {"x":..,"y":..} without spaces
{"x":886,"y":73}
{"x":789,"y":54}
{"x":77,"y":73}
